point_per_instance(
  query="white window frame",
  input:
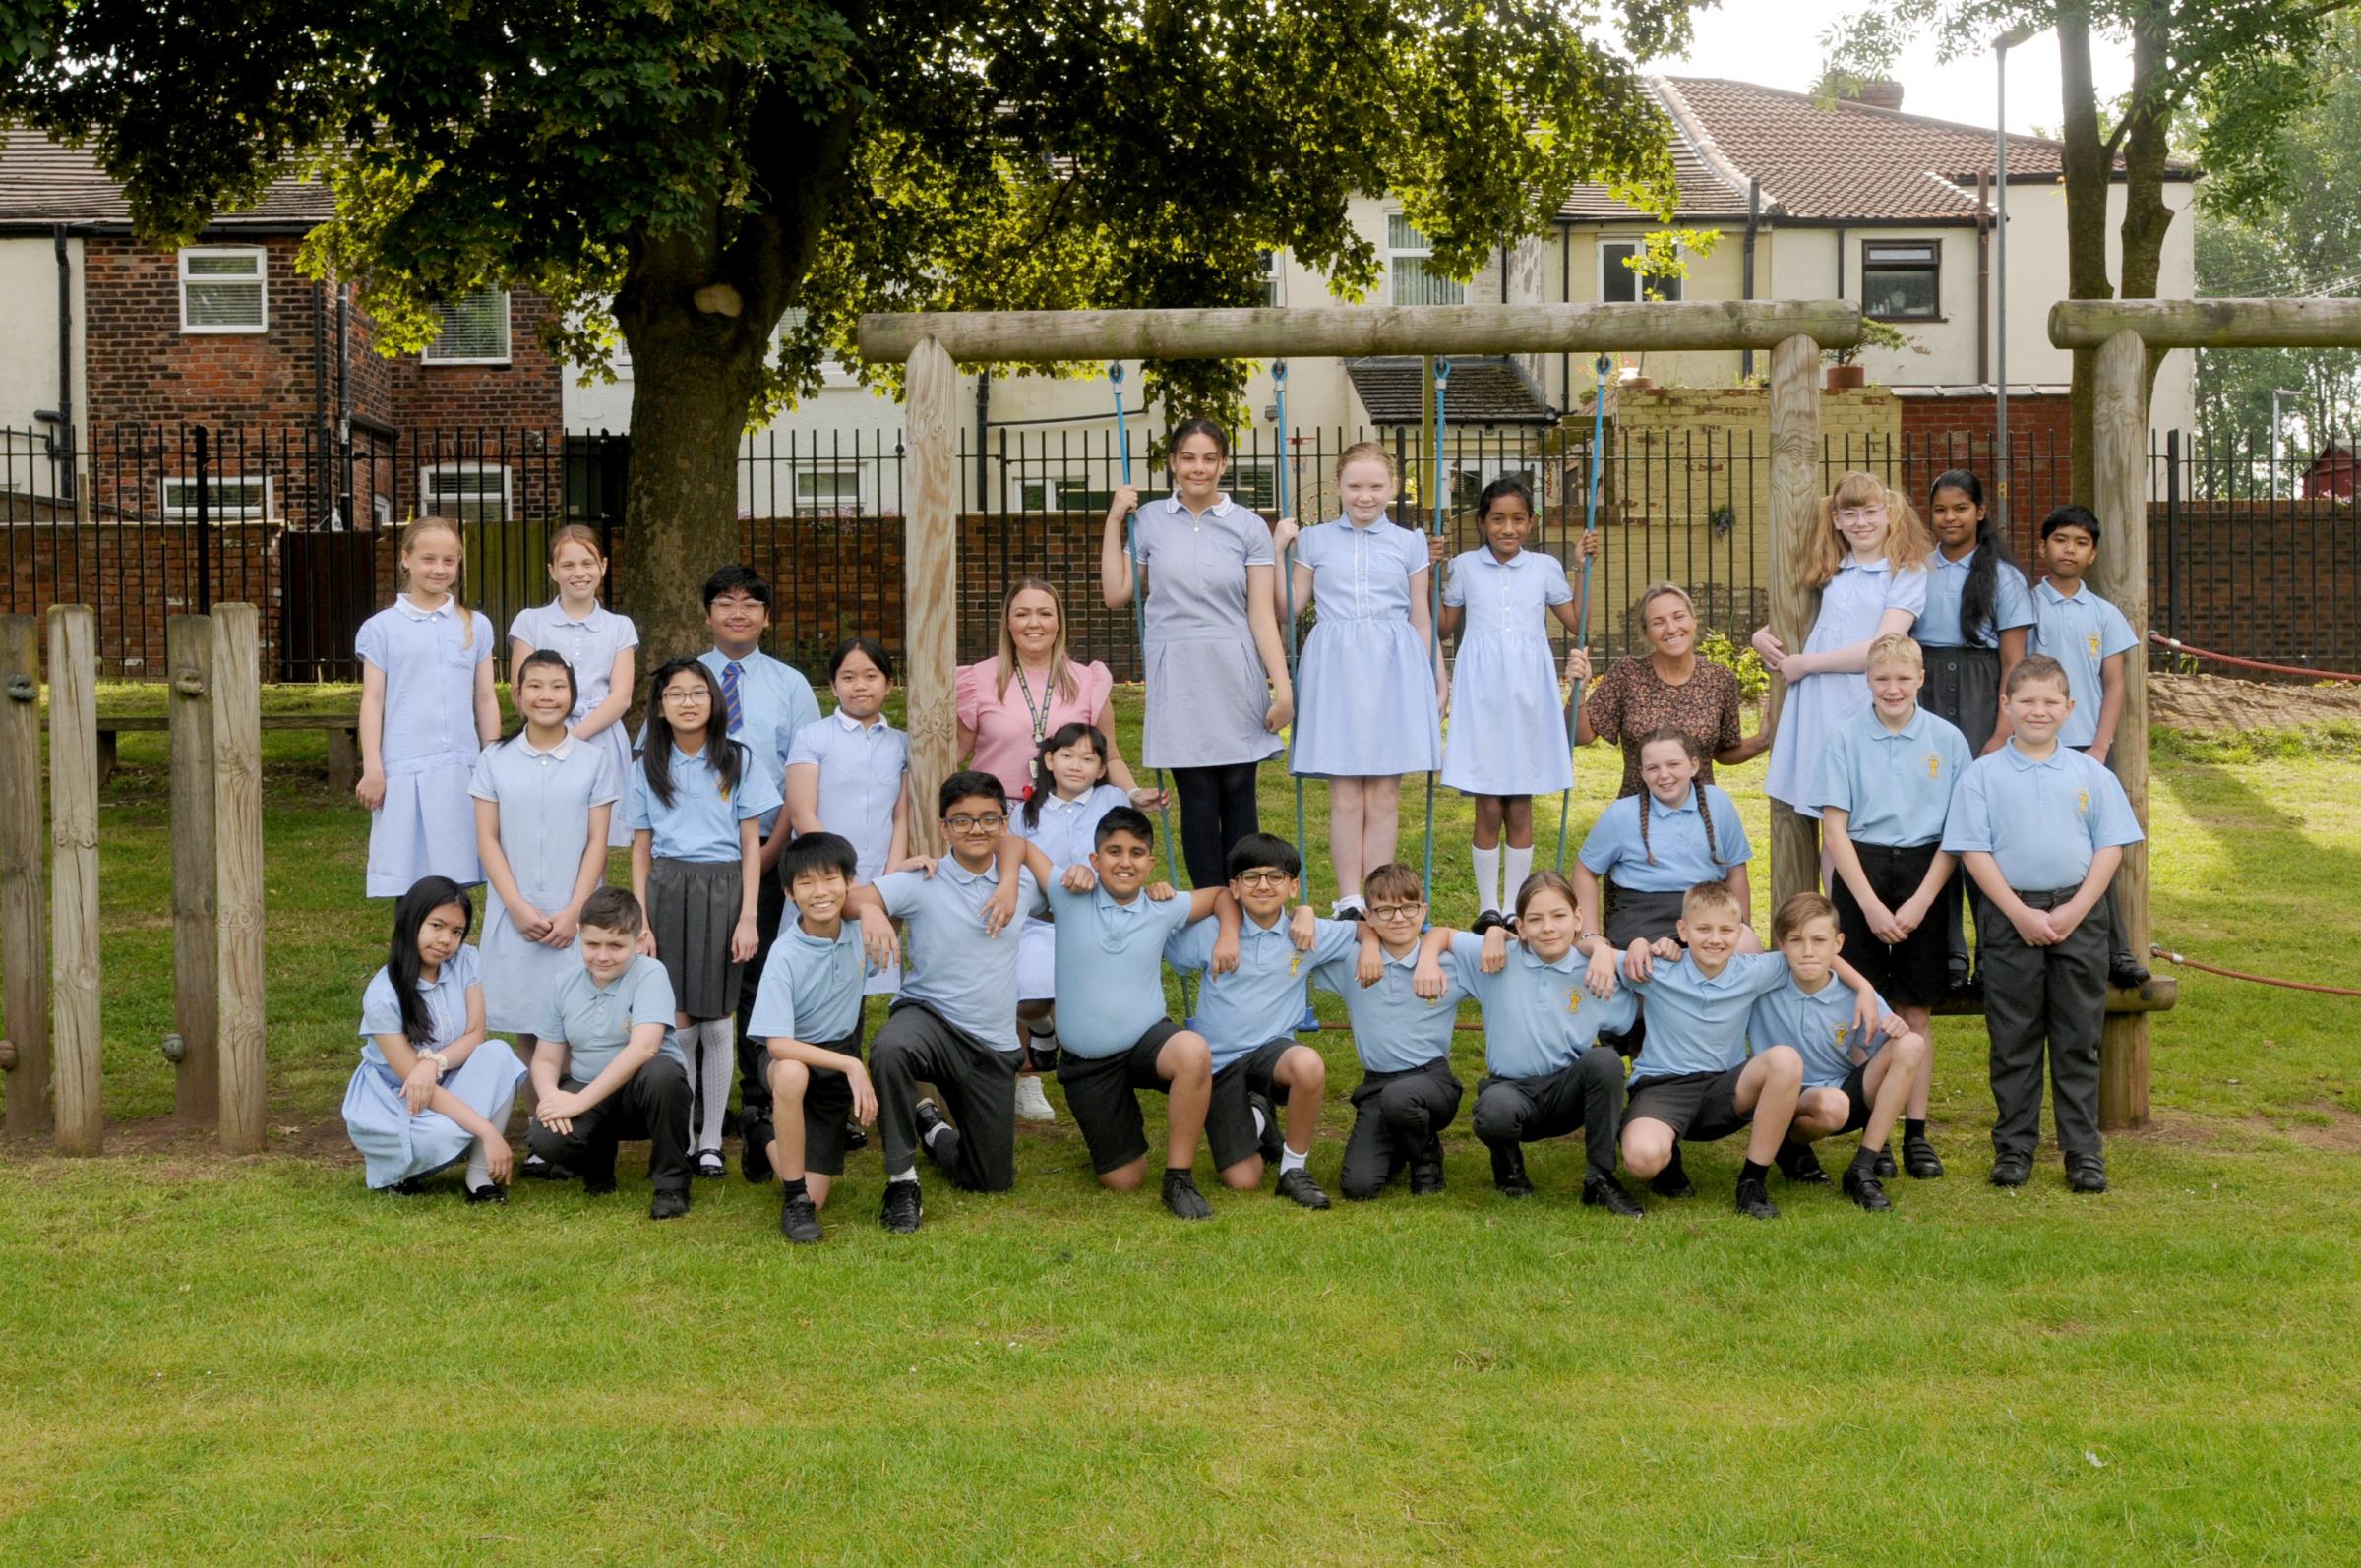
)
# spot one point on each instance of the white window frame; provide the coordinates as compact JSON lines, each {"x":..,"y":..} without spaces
{"x":184,"y":509}
{"x":261,"y":284}
{"x":806,"y":501}
{"x":429,"y":506}
{"x":1274,"y":278}
{"x":1395,"y":255}
{"x":1636,"y":246}
{"x":428,"y":356}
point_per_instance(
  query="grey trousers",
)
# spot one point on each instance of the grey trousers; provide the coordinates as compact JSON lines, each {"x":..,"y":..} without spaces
{"x":1587,"y":1092}
{"x":2038,"y":998}
{"x":1394,"y":1115}
{"x":977,"y":1085}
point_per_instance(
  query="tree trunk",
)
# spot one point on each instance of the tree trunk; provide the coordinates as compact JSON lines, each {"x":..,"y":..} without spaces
{"x":2086,"y":180}
{"x":2148,"y":121}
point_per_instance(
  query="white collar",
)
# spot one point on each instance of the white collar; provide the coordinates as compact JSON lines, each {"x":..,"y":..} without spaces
{"x":447,"y":610}
{"x":1219,"y":509}
{"x":559,"y":751}
{"x":854,"y":725}
{"x":1856,"y":564}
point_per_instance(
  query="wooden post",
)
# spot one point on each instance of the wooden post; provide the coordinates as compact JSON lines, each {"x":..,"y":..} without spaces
{"x":24,"y":923}
{"x":1794,"y":520}
{"x":196,"y":937}
{"x":238,"y":846}
{"x":74,"y":874}
{"x":931,"y":579}
{"x":2119,"y":471}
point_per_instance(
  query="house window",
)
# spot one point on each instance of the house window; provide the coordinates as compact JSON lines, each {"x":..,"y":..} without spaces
{"x":476,"y":330}
{"x":222,"y":289}
{"x":1252,"y":484}
{"x":1274,"y":291}
{"x":229,"y":498}
{"x":828,"y":489}
{"x":1620,"y":282}
{"x":464,"y":492}
{"x":1901,"y":278}
{"x":1407,"y":252}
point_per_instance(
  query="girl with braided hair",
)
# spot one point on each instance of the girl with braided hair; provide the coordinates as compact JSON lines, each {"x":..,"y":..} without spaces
{"x":1657,"y":845}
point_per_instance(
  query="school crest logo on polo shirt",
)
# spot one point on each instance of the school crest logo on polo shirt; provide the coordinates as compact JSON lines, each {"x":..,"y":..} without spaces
{"x":1842,"y":1031}
{"x":2092,"y":640}
{"x":1934,"y":765}
{"x":2081,"y":802}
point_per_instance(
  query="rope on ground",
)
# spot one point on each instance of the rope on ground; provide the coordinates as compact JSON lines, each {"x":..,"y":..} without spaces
{"x":2178,"y":647}
{"x":2172,"y":957}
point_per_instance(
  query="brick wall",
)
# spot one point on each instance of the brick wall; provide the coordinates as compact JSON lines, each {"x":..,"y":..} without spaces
{"x":1940,"y":432}
{"x":136,"y":576}
{"x":2273,"y":580}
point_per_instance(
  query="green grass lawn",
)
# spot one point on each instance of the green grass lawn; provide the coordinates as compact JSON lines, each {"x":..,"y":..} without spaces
{"x":257,"y":1359}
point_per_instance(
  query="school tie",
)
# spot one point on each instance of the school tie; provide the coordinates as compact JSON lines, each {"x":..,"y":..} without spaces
{"x":729,"y":696}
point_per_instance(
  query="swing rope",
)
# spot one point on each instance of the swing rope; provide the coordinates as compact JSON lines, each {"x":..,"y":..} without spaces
{"x":1139,"y":623}
{"x":1435,"y":605}
{"x":1582,"y":610}
{"x":1287,"y":588}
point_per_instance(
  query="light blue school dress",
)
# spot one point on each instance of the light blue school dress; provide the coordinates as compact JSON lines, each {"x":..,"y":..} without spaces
{"x":1065,"y":833}
{"x":1850,"y":607}
{"x":861,"y":771}
{"x":1207,"y":687}
{"x":1364,"y":683}
{"x":1508,"y":727}
{"x":426,"y":826}
{"x":545,"y":800}
{"x":395,"y":1145}
{"x":589,"y":646}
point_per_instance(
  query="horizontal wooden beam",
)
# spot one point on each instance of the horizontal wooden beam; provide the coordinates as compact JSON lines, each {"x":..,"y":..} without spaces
{"x":2208,"y":323}
{"x":1337,"y":332}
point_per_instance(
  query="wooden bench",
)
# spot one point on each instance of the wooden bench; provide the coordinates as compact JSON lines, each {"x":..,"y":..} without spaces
{"x":343,"y":731}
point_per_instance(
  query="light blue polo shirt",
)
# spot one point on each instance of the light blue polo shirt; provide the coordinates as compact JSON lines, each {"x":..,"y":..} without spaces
{"x":811,"y":987}
{"x":2081,"y":632}
{"x":1537,"y":1020}
{"x":1946,"y":581}
{"x":968,"y":979}
{"x":1111,"y":966}
{"x":774,"y":700}
{"x":1676,"y":838}
{"x":595,"y":1022}
{"x":1262,"y":999}
{"x":1394,"y":1028}
{"x":701,"y":822}
{"x":1894,"y":786}
{"x":1697,"y":1024}
{"x":1820,"y":1026}
{"x":2042,"y":820}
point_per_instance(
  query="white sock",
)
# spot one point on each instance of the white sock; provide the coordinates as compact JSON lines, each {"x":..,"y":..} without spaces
{"x":480,"y":1168}
{"x":1259,"y":1123}
{"x":910,"y":1176}
{"x":1488,"y":877}
{"x":1289,"y":1160}
{"x":716,"y":1057}
{"x":1520,"y":867}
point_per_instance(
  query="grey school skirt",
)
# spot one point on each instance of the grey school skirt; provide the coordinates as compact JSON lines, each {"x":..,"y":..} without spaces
{"x":1635,"y":915}
{"x":692,"y":907}
{"x":1963,"y":686}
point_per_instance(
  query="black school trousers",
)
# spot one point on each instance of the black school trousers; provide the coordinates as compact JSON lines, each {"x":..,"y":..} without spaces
{"x":2050,"y":999}
{"x":1587,"y":1093}
{"x":1217,"y":810}
{"x":652,"y":1103}
{"x":1395,"y":1115}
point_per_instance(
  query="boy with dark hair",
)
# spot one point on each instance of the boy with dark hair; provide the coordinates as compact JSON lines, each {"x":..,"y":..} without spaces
{"x":808,"y":1011}
{"x":1248,"y":1018}
{"x":2040,"y":827}
{"x":606,"y":1067}
{"x":2089,"y":638}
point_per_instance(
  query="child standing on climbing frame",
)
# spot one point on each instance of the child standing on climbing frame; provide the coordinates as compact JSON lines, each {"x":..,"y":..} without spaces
{"x":427,"y":711}
{"x":1507,"y":743}
{"x":1869,"y":562}
{"x":1370,"y":680}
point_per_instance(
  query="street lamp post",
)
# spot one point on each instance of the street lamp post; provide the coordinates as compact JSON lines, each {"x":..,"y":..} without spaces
{"x":2000,"y":315}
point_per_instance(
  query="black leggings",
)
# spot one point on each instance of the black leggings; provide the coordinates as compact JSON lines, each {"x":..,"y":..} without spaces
{"x":1217,"y":810}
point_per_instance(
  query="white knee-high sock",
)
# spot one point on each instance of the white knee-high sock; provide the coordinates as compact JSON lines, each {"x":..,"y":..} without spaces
{"x":479,"y":1168}
{"x":1519,"y":866}
{"x":1488,"y":877}
{"x":717,"y":1043}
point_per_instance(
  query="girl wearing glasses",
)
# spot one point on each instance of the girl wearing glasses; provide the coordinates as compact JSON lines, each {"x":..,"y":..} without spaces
{"x":695,"y":806}
{"x":1869,"y":564}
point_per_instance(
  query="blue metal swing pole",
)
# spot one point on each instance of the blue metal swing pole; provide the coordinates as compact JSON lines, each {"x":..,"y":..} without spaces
{"x":1582,"y":613}
{"x":1139,"y":622}
{"x":1434,"y":606}
{"x":1287,"y":589}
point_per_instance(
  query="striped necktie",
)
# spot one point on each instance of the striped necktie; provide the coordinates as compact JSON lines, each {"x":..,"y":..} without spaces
{"x":730,"y":673}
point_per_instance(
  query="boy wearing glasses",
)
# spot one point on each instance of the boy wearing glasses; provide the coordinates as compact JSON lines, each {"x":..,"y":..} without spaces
{"x":954,"y":1023}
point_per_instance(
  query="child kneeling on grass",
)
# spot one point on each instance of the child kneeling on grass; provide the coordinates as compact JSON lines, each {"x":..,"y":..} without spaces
{"x":1852,"y":1081}
{"x":606,"y":1067}
{"x":1694,"y":1080}
{"x":808,"y":1013}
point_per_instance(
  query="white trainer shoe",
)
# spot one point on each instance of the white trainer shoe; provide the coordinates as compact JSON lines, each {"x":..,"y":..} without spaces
{"x":1031,"y":1104}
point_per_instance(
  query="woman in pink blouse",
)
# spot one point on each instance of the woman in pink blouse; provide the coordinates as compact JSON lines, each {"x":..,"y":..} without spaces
{"x":1032,"y":688}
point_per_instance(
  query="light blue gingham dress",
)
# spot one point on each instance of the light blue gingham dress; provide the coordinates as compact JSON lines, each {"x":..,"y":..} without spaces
{"x":589,"y":646}
{"x":395,"y":1145}
{"x":1364,"y":683}
{"x":427,"y":823}
{"x":1850,"y":607}
{"x":1508,"y":728}
{"x":544,"y":799}
{"x":1207,"y":687}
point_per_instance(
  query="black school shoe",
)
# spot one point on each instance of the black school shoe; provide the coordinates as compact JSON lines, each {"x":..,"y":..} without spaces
{"x":1800,"y":1165}
{"x":489,"y":1192}
{"x":2125,"y":973}
{"x":1426,"y":1168}
{"x":1885,"y":1166}
{"x":2012,"y":1169}
{"x":539,"y":1170}
{"x":798,"y":1221}
{"x":2086,"y":1173}
{"x":1863,"y":1187}
{"x":1919,"y":1159}
{"x":1962,"y":981}
{"x":1673,"y":1181}
{"x":670,"y":1203}
{"x":856,"y":1136}
{"x":1606,"y":1192}
{"x":903,"y":1209}
{"x":1182,"y":1197}
{"x":406,"y":1188}
{"x":709,"y":1165}
{"x":1508,"y":1171}
{"x":1267,"y":1142}
{"x":943,"y":1150}
{"x":1754,"y":1199}
{"x":1298,"y":1186}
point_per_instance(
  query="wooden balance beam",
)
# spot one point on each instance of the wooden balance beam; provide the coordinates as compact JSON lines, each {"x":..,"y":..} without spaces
{"x":343,"y":731}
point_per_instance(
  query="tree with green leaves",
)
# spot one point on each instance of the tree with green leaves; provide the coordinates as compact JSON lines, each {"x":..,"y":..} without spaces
{"x":2250,"y":63}
{"x":690,"y":174}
